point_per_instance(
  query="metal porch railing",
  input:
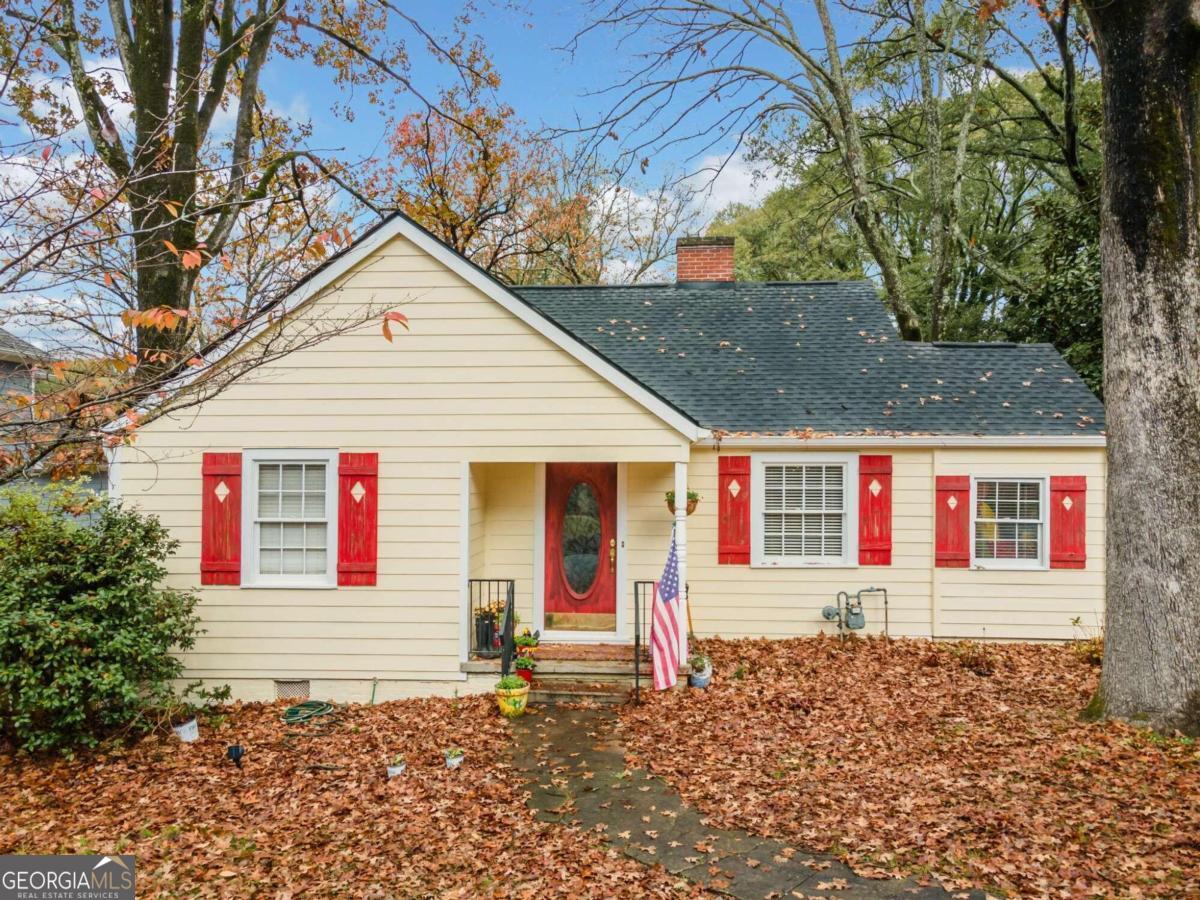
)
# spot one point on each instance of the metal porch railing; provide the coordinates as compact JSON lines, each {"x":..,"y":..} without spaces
{"x":643,"y":598}
{"x":492,"y":615}
{"x":643,"y":601}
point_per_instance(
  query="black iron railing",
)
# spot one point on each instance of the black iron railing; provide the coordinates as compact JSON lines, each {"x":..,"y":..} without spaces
{"x":643,"y":610}
{"x":643,"y":602}
{"x":492,"y":615}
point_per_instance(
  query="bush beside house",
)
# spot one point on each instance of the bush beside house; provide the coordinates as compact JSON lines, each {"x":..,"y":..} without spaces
{"x":86,"y":633}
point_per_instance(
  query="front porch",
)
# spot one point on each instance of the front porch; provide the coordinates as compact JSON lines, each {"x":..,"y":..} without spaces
{"x":602,"y":673}
{"x":573,"y":545}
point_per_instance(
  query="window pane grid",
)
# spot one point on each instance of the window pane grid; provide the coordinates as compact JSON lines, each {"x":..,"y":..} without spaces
{"x":804,"y":511}
{"x":1008,"y":520}
{"x":292,"y":529}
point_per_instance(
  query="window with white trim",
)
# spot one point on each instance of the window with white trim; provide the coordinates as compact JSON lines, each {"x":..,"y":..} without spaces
{"x":292,"y":518}
{"x":1009,"y":522}
{"x":802,"y":511}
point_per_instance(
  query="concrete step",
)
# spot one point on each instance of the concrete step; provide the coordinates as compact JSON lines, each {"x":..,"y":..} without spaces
{"x":562,"y":667}
{"x":565,"y":691}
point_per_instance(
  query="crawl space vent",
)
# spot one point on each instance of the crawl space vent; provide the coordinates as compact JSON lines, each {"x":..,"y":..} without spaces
{"x":291,"y":689}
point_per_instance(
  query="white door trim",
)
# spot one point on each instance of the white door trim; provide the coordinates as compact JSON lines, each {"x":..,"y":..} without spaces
{"x":539,"y":565}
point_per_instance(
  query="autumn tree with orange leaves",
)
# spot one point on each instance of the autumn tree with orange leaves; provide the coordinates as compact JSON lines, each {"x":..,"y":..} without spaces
{"x":154,"y":205}
{"x":516,"y":204}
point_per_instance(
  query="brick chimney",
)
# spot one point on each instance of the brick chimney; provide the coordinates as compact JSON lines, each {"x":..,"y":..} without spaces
{"x":701,"y":259}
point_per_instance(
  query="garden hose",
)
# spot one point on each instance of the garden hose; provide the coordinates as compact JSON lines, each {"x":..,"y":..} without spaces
{"x":304,"y":713}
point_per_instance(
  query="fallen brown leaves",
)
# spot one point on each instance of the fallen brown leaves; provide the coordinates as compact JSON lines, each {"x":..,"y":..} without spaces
{"x":315,"y":816}
{"x":902,"y":759}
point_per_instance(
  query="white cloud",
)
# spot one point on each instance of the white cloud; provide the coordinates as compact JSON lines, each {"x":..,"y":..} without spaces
{"x":720,"y":181}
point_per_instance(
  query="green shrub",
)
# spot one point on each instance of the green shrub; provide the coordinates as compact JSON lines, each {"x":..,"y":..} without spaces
{"x":85,"y":630}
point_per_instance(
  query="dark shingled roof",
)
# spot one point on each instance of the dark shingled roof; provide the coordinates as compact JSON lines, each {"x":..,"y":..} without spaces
{"x":822,"y":356}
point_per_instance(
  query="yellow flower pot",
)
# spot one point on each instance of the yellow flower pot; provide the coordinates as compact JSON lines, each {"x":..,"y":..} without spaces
{"x":512,"y":702}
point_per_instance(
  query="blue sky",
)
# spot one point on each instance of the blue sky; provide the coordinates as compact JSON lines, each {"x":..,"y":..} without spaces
{"x":546,"y":84}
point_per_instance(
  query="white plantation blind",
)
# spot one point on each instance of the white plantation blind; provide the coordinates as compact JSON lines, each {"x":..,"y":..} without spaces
{"x":291,"y":521}
{"x":804,"y":511}
{"x":1008,"y":520}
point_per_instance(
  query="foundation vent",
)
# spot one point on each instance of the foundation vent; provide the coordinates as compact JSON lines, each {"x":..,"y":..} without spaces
{"x":291,"y":689}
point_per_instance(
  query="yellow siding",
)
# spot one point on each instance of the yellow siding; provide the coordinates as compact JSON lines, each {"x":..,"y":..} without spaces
{"x":1023,"y":604}
{"x":740,"y":601}
{"x":508,"y":531}
{"x":469,"y":383}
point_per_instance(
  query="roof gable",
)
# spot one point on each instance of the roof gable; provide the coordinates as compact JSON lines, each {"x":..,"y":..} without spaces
{"x":397,"y":225}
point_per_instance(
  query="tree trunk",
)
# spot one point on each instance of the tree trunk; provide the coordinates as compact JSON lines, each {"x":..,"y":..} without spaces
{"x":1150,"y":241}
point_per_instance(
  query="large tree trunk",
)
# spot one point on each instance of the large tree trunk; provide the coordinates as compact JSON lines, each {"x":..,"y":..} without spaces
{"x":1150,"y":242}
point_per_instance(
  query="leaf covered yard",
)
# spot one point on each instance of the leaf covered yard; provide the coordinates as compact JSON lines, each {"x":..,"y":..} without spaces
{"x":316,"y":816}
{"x":966,"y":761}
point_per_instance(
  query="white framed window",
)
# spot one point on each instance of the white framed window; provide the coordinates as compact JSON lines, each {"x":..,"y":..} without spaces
{"x":1008,"y":522}
{"x":289,"y":518}
{"x":804,"y":509}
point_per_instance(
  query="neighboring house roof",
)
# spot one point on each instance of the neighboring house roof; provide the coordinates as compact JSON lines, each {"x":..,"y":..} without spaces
{"x":14,"y":349}
{"x":823,"y":356}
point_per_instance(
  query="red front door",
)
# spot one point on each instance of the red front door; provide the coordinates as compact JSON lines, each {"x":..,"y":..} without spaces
{"x":581,"y":547}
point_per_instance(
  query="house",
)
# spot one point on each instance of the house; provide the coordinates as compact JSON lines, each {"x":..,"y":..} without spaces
{"x":18,"y":361}
{"x":22,"y":365}
{"x":346,"y":509}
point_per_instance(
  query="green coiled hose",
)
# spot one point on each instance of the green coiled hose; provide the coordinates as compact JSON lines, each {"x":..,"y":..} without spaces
{"x":304,"y":713}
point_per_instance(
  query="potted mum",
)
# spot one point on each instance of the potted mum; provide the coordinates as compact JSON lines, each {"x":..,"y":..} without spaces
{"x":454,"y":757}
{"x":525,"y":666}
{"x":526,"y":641}
{"x":692,"y":499}
{"x":701,"y":672}
{"x":396,"y":766}
{"x":512,"y":695}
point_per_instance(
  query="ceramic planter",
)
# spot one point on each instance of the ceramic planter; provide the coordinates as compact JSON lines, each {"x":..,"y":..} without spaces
{"x":393,"y":771}
{"x":701,"y":679}
{"x":187,"y":731}
{"x":512,"y":702}
{"x":526,"y":674}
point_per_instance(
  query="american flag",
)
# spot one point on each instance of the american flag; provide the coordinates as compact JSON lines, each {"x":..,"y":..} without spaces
{"x":664,"y":625}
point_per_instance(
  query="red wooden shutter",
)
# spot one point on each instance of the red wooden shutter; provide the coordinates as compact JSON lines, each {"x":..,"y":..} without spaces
{"x":1068,"y":521}
{"x":733,"y":510}
{"x":358,"y":518}
{"x":952,"y":511}
{"x":874,"y":510}
{"x":221,"y":519}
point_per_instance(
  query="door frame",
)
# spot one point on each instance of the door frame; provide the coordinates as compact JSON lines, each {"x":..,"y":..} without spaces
{"x":539,"y":565}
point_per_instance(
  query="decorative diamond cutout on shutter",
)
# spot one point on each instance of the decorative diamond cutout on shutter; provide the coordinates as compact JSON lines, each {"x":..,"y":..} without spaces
{"x":734,"y":488}
{"x":952,"y":502}
{"x":358,"y":492}
{"x":222,"y":491}
{"x":874,"y":487}
{"x":1067,"y":504}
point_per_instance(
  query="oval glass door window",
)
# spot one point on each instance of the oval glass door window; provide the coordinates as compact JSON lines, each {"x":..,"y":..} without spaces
{"x":581,"y":538}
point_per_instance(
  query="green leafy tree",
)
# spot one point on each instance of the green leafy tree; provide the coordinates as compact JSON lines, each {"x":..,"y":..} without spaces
{"x":1064,"y":305}
{"x":1025,"y":261}
{"x":86,"y":632}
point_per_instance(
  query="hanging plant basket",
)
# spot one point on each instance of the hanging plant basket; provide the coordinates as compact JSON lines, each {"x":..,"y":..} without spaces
{"x":692,"y":501}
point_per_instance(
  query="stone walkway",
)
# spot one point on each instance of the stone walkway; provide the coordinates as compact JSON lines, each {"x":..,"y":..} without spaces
{"x":575,"y":770}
